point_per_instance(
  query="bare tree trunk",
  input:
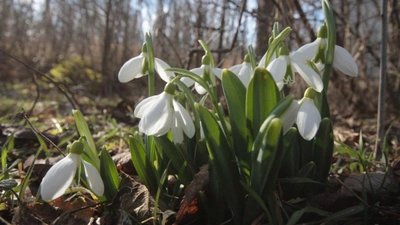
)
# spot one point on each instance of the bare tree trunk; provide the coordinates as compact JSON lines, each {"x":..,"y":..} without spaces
{"x":382,"y":86}
{"x":264,"y":25}
{"x":105,"y":69}
{"x":222,"y":31}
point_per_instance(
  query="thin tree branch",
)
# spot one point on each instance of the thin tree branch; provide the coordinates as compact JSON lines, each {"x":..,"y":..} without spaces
{"x":34,"y":79}
{"x":223,"y":50}
{"x":304,"y":19}
{"x":34,"y":130}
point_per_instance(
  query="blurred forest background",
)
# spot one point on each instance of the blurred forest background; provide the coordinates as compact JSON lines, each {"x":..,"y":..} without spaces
{"x":78,"y":46}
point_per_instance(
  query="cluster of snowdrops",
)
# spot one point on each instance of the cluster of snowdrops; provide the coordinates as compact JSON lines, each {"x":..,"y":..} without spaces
{"x":266,"y":134}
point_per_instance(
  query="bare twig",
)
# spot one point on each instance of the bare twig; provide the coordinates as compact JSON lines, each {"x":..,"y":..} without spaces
{"x":304,"y":19}
{"x":233,"y":43}
{"x":34,"y":130}
{"x":68,"y":213}
{"x":34,"y":79}
{"x":382,"y":85}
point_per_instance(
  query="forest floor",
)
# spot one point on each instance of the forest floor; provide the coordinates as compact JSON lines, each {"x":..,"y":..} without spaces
{"x":111,"y":119}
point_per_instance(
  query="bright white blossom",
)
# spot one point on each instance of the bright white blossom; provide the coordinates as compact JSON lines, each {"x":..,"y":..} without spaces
{"x":291,"y":63}
{"x":342,"y":61}
{"x":244,"y":71}
{"x":305,"y":114}
{"x":160,"y":114}
{"x":200,"y":72}
{"x":133,"y":69}
{"x":60,"y":177}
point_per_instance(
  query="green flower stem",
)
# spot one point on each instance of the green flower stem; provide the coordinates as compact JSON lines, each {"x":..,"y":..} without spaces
{"x":330,"y":51}
{"x":275,"y":44}
{"x":212,"y":91}
{"x":251,"y":56}
{"x":151,"y":67}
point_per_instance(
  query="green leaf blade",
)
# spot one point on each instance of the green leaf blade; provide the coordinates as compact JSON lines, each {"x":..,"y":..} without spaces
{"x":235,"y":93}
{"x":261,"y":98}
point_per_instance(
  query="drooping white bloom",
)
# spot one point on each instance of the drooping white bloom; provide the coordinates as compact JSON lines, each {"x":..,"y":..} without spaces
{"x":244,"y":71}
{"x":160,"y":114}
{"x":308,"y":119}
{"x":342,"y":60}
{"x":305,"y":114}
{"x":294,"y":62}
{"x":60,"y":177}
{"x":133,"y":68}
{"x":200,"y":72}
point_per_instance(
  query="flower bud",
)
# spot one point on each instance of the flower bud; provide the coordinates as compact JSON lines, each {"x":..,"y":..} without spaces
{"x":310,"y":93}
{"x":170,"y":88}
{"x":323,"y":31}
{"x":284,"y":50}
{"x":247,"y":58}
{"x":76,"y":147}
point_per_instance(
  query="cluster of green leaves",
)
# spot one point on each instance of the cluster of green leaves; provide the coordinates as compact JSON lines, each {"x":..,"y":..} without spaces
{"x":248,"y":153}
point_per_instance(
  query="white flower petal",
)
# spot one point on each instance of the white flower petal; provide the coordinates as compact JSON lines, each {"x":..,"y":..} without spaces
{"x":160,"y":67}
{"x":308,"y":119}
{"x":93,"y":178}
{"x":308,"y":51}
{"x":199,"y":71}
{"x":245,"y":74}
{"x":290,"y":115}
{"x":59,"y":177}
{"x":278,"y":68}
{"x":344,"y":62}
{"x":158,"y":118}
{"x":144,"y":105}
{"x":200,"y":89}
{"x":217,"y":72}
{"x":177,"y":132}
{"x":131,"y":69}
{"x":309,"y":75}
{"x":320,"y":67}
{"x":262,"y":61}
{"x":184,"y":120}
{"x":236,"y":68}
{"x":187,"y":81}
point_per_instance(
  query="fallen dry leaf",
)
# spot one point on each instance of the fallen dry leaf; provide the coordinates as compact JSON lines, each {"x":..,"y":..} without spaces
{"x":189,"y":204}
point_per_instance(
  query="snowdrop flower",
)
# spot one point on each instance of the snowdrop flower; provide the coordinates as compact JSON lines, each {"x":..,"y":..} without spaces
{"x":161,"y":113}
{"x":136,"y":67}
{"x":285,"y":65}
{"x":305,"y":114}
{"x":244,"y":71}
{"x":342,"y":60}
{"x":203,"y":70}
{"x":60,"y":176}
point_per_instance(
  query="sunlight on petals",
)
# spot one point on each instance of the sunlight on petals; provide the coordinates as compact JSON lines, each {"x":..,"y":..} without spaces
{"x":59,"y":177}
{"x":277,"y":68}
{"x":94,"y":179}
{"x":308,"y":119}
{"x":344,"y":62}
{"x":160,"y":67}
{"x":131,"y":69}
